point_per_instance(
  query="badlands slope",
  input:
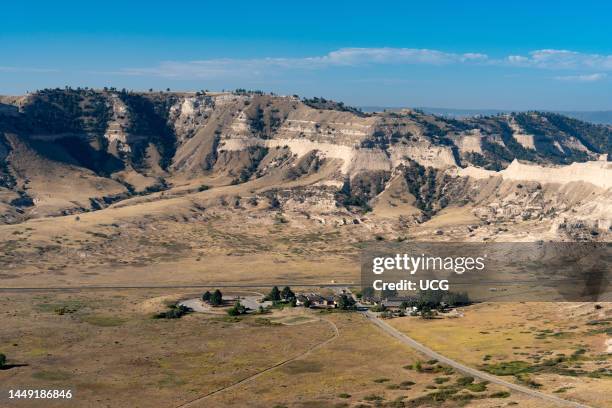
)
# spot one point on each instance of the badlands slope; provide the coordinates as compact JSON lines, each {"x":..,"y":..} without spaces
{"x":66,"y":153}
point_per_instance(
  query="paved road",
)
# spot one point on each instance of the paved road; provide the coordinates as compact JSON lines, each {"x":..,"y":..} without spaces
{"x":465,"y":369}
{"x":176,"y":286}
{"x":197,"y":401}
{"x":252,"y":302}
{"x":197,"y":305}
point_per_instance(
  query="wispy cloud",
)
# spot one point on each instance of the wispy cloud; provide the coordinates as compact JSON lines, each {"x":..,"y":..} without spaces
{"x":235,"y":67}
{"x":27,"y":69}
{"x":562,"y":59}
{"x":359,"y":56}
{"x":582,"y":78}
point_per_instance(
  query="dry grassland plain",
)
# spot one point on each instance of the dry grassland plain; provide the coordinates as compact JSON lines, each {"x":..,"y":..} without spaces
{"x":218,"y":247}
{"x":559,"y":348}
{"x":108,"y":349}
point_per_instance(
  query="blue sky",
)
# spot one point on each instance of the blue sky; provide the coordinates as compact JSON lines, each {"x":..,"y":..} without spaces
{"x":460,"y":54}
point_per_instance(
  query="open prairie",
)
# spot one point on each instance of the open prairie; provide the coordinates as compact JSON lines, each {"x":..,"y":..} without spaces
{"x":125,"y":247}
{"x":104,"y":345}
{"x":560,"y":348}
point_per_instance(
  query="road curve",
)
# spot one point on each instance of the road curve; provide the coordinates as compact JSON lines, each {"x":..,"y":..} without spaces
{"x":465,"y":369}
{"x":196,"y":401}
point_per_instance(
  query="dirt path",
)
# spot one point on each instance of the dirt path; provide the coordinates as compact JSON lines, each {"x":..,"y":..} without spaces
{"x":465,"y":369}
{"x":196,"y":401}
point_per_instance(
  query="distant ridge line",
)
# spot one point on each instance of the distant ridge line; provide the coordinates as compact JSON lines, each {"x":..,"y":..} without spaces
{"x":602,"y":117}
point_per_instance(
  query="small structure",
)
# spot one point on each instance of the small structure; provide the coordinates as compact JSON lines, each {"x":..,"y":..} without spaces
{"x":300,"y":300}
{"x":392,"y":304}
{"x":316,"y":301}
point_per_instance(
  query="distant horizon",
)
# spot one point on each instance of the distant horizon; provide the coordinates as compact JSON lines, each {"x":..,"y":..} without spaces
{"x":482,"y":109}
{"x":370,"y":108}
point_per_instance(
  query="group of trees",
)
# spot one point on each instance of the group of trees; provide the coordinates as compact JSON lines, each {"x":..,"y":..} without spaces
{"x":174,"y":312}
{"x":345,"y":302}
{"x":281,"y":296}
{"x":214,"y":299}
{"x":435,"y":299}
{"x":429,"y":302}
{"x":243,"y":91}
{"x":426,"y":303}
{"x":278,"y":297}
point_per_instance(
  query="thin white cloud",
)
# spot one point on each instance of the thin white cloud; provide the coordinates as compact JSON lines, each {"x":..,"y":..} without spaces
{"x":231,"y":67}
{"x":350,"y":56}
{"x":27,"y":69}
{"x":241,"y":68}
{"x":582,"y":78}
{"x":561,"y":59}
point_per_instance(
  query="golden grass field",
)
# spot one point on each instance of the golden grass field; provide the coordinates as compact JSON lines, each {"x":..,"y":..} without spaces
{"x":105,"y":346}
{"x":218,"y":247}
{"x":494,"y":333}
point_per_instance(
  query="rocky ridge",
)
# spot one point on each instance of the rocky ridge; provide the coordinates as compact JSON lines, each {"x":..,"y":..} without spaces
{"x":66,"y":151}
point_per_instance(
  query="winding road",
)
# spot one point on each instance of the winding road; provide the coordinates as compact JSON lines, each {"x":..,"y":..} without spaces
{"x":465,"y":369}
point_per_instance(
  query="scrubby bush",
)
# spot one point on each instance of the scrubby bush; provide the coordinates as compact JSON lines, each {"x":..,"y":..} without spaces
{"x":237,"y":310}
{"x":174,"y":312}
{"x":427,"y":313}
{"x":463,"y":381}
{"x":477,"y":387}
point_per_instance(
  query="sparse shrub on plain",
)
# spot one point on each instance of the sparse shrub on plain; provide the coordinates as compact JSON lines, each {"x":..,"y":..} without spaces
{"x":174,"y":312}
{"x":465,"y":380}
{"x":237,"y":310}
{"x":500,"y":394}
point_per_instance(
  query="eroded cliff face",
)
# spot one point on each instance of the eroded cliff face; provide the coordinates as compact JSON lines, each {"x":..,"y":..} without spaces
{"x":67,"y":151}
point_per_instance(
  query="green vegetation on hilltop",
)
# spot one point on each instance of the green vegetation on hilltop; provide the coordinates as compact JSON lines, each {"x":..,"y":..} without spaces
{"x":149,"y":117}
{"x":327,"y":104}
{"x":363,"y":187}
{"x":427,"y":185}
{"x":71,"y":111}
{"x":546,"y":134}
